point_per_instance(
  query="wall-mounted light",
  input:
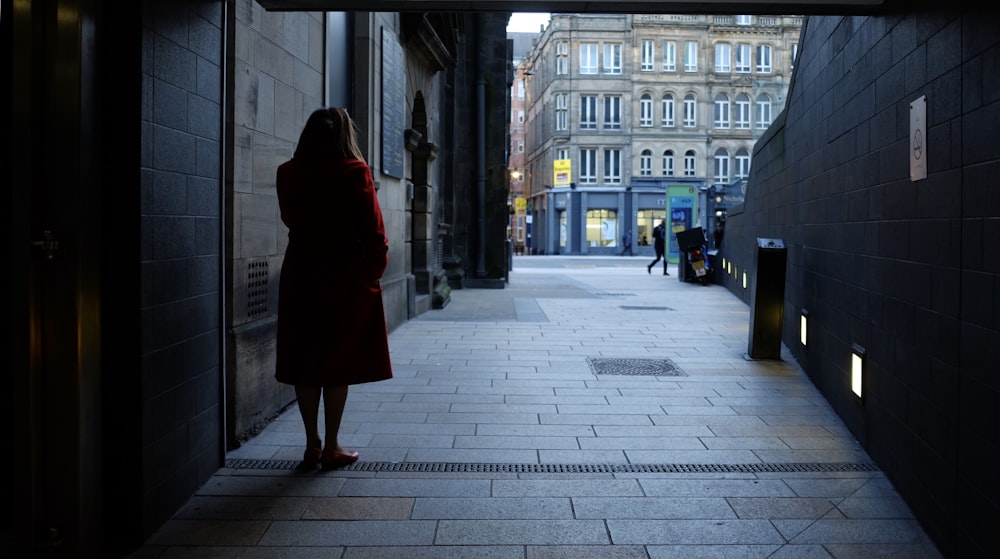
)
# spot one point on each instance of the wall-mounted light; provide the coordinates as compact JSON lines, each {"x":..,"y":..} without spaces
{"x":744,"y":280}
{"x":857,"y":369}
{"x":804,"y":327}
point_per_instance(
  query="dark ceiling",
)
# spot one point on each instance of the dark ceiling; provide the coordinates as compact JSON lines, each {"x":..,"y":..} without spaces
{"x":799,"y":7}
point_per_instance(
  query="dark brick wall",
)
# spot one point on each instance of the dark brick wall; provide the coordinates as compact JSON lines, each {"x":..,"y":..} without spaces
{"x":908,"y":270}
{"x":180,"y":252}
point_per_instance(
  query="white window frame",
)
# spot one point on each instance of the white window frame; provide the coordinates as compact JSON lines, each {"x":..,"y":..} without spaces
{"x":669,"y":56}
{"x":721,"y":104}
{"x":691,"y":56}
{"x":612,"y":112}
{"x":721,"y":158}
{"x":588,"y":58}
{"x":647,"y":57}
{"x":741,"y":168}
{"x":743,"y":62}
{"x":741,"y":116}
{"x":520,"y":117}
{"x":562,"y":153}
{"x":763,"y":59}
{"x":763,"y":111}
{"x":668,"y":111}
{"x":588,"y":112}
{"x":646,"y":110}
{"x":668,"y":163}
{"x":690,"y":164}
{"x":744,"y":20}
{"x":614,"y":52}
{"x":690,"y":111}
{"x":646,"y":163}
{"x":612,"y":166}
{"x":562,"y":58}
{"x":562,"y":112}
{"x":723,"y":58}
{"x":588,"y":166}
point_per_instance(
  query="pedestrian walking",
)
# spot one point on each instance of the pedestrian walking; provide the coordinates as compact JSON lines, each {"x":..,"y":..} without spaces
{"x":659,"y":246}
{"x":627,"y":243}
{"x":331,"y":330}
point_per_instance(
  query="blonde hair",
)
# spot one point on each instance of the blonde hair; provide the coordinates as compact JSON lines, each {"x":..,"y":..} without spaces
{"x":329,"y":132}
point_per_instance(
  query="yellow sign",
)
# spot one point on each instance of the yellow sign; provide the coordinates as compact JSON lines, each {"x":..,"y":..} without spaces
{"x":561,"y":169}
{"x":520,"y":204}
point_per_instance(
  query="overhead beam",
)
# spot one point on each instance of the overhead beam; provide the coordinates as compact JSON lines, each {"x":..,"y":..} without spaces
{"x":749,"y":7}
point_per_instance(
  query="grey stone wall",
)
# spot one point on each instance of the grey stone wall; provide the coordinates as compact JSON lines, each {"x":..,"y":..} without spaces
{"x":277,"y":78}
{"x":908,"y":270}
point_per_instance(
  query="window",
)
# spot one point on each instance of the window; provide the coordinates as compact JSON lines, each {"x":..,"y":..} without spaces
{"x":588,"y":166}
{"x":520,"y":146}
{"x":646,"y":220}
{"x":646,"y":163}
{"x":520,"y":89}
{"x":669,"y":56}
{"x":562,"y":153}
{"x":588,"y":112}
{"x":795,"y":54}
{"x":742,"y":20}
{"x":612,"y":166}
{"x":723,"y":56}
{"x":721,"y":166}
{"x":613,"y":112}
{"x":764,"y":59}
{"x":722,"y":111}
{"x":646,"y":64}
{"x":689,"y":164}
{"x":742,"y":116}
{"x":743,"y":59}
{"x":645,"y":110}
{"x":690,"y":108}
{"x":561,"y":112}
{"x":562,"y":58}
{"x":613,"y":58}
{"x":763,"y":111}
{"x":520,"y":116}
{"x":691,"y":56}
{"x":602,"y":228}
{"x":668,"y":163}
{"x":563,"y":225}
{"x":742,"y":169}
{"x":588,"y":58}
{"x":667,"y":110}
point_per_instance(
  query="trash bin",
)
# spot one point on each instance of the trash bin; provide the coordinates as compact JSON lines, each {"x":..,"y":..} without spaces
{"x":767,"y":299}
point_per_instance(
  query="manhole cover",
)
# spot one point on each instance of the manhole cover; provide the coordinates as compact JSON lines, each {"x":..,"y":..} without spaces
{"x":633,"y":366}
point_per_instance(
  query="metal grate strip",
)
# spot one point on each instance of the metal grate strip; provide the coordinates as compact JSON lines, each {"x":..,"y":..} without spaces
{"x":454,"y":467}
{"x":644,"y":308}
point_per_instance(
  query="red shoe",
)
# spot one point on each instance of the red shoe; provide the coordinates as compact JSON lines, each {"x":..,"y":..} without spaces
{"x":334,"y":459}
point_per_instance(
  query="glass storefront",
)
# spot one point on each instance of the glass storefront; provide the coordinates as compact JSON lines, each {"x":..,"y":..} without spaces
{"x":602,"y":228}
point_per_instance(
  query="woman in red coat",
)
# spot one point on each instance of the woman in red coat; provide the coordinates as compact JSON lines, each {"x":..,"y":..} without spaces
{"x":331,"y":324}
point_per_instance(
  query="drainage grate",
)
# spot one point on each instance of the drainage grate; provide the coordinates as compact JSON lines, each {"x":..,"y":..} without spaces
{"x":640,"y":308}
{"x":454,"y":467}
{"x":633,"y":366}
{"x":606,"y":294}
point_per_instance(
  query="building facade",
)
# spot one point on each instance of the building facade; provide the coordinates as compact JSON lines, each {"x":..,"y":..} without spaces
{"x":654,"y":116}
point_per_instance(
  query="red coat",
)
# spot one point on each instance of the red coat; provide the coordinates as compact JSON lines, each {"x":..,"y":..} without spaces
{"x":331,"y":323}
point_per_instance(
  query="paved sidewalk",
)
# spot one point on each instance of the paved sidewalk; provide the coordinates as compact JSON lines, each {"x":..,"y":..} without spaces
{"x":589,"y":410}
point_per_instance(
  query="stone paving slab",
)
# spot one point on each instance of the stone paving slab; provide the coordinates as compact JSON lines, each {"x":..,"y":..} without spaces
{"x":504,"y":377}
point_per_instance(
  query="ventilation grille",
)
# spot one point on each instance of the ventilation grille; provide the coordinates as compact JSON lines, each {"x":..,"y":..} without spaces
{"x":452,"y":467}
{"x":633,"y":366}
{"x":257,"y":277}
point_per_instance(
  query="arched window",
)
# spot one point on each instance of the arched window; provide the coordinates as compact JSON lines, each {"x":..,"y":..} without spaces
{"x":763,"y":111}
{"x":721,"y":166}
{"x":741,"y":119}
{"x":646,"y":110}
{"x":742,"y":168}
{"x":722,"y":111}
{"x":667,"y":108}
{"x":690,"y":163}
{"x":646,"y":163}
{"x":668,"y":163}
{"x":690,"y":110}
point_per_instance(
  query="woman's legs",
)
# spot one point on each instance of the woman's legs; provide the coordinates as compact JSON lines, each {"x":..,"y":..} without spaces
{"x":334,"y":400}
{"x":308,"y":397}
